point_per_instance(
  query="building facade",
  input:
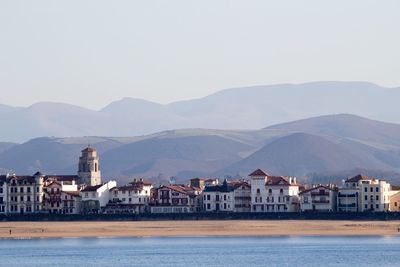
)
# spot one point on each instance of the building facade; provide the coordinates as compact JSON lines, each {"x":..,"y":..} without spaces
{"x":227,"y":197}
{"x":94,"y":198}
{"x":131,"y":198}
{"x":176,"y":199}
{"x":361,"y":193}
{"x":319,"y":198}
{"x":273,"y":193}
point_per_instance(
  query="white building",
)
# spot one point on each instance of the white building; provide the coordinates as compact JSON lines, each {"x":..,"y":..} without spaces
{"x":131,"y":198}
{"x":319,"y":198}
{"x":273,"y":193}
{"x":233,"y":197}
{"x":3,"y":194}
{"x":93,"y":198}
{"x":177,"y":199}
{"x":361,"y":193}
{"x":24,"y":193}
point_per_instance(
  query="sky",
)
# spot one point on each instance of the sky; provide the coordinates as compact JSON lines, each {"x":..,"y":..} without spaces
{"x":91,"y":53}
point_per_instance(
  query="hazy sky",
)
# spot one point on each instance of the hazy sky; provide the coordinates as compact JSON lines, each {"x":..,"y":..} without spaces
{"x":93,"y":52}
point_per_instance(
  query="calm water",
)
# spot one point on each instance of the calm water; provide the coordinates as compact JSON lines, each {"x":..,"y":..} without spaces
{"x":199,"y":251}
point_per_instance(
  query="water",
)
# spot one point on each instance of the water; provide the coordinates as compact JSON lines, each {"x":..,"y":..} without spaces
{"x":203,"y":251}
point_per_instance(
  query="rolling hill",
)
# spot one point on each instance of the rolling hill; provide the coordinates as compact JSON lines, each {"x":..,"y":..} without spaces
{"x":237,"y":108}
{"x":318,"y":148}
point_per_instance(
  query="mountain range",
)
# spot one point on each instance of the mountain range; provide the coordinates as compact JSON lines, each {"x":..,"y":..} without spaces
{"x":319,"y":149}
{"x":239,"y":108}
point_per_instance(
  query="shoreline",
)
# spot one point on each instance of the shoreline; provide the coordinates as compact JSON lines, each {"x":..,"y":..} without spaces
{"x":213,"y":228}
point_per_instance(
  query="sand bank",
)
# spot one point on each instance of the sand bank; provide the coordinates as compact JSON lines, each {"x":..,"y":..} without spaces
{"x":196,"y":228}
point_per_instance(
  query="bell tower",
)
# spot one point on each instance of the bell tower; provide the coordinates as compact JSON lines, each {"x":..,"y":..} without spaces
{"x":89,"y":167}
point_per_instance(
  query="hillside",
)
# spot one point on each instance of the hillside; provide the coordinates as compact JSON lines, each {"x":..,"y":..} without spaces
{"x":313,"y":148}
{"x":238,"y":108}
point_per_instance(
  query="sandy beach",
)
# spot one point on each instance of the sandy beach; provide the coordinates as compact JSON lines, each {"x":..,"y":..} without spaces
{"x":196,"y":228}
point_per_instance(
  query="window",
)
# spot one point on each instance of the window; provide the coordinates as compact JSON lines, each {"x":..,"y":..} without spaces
{"x":270,"y":191}
{"x":208,"y":197}
{"x":28,"y":198}
{"x":366,"y":198}
{"x":28,"y":189}
{"x":366,"y":206}
{"x":258,"y":190}
{"x":377,"y":197}
{"x":365,"y":189}
{"x":21,"y":189}
{"x":377,"y":206}
{"x":225,"y":197}
{"x":224,"y":206}
{"x":37,"y":189}
{"x":22,"y":198}
{"x":371,"y":189}
{"x":395,"y":204}
{"x":281,"y":191}
{"x":1,"y":190}
{"x":217,"y":198}
{"x":305,"y":199}
{"x":377,"y":189}
{"x":208,"y":206}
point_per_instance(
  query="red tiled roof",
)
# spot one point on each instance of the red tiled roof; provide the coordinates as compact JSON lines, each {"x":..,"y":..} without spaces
{"x":181,"y":189}
{"x":258,"y":172}
{"x":316,"y":188}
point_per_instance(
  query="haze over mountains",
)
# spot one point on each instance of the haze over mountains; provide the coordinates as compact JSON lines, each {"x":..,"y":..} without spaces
{"x":239,"y":108}
{"x":323,"y":148}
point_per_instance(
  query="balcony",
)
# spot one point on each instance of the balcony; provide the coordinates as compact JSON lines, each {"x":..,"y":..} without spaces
{"x":317,"y":201}
{"x":319,"y":193}
{"x":347,"y":195}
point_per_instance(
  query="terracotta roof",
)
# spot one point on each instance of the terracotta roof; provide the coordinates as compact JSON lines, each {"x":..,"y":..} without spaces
{"x":357,"y":178}
{"x":91,"y":188}
{"x":258,"y":172}
{"x":187,"y":190}
{"x":316,"y":188}
{"x":278,"y":180}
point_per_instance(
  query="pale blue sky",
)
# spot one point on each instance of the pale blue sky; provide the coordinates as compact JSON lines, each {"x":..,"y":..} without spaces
{"x":93,"y":52}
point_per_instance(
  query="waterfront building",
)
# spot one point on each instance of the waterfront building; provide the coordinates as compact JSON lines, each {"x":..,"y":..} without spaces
{"x":61,"y":195}
{"x":24,"y":193}
{"x":89,"y":167}
{"x":394,"y":205}
{"x":131,"y":198}
{"x":319,"y":198}
{"x":3,"y":195}
{"x":94,"y":198}
{"x":232,"y":197}
{"x":176,"y":199}
{"x":273,"y":193}
{"x":361,"y":193}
